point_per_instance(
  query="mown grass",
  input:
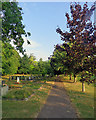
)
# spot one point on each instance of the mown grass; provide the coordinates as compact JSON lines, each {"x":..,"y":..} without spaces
{"x":25,"y":109}
{"x":30,"y":108}
{"x":83,"y":101}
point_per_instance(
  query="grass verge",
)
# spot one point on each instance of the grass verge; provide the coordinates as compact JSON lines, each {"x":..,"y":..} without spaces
{"x":84,"y":102}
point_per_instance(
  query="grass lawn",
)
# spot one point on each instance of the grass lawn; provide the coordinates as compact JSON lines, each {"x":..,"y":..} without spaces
{"x":84,"y":102}
{"x":30,"y":108}
{"x":25,"y":109}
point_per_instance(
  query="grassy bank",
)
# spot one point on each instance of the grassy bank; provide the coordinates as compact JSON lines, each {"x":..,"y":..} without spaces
{"x":84,"y":102}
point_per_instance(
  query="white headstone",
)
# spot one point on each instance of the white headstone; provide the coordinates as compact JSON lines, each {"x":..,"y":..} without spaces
{"x":18,"y":79}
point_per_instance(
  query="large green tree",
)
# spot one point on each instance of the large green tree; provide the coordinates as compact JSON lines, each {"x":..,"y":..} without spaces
{"x":12,"y":26}
{"x":57,"y":61}
{"x":13,"y":30}
{"x":60,"y":61}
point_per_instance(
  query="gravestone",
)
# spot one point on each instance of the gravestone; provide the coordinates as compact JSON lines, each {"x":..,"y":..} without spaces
{"x":29,"y":78}
{"x":18,"y":79}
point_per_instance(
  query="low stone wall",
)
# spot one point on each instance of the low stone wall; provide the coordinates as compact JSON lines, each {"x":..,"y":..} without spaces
{"x":4,"y":90}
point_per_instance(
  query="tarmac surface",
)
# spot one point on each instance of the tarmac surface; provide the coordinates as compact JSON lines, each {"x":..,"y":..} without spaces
{"x":58,"y":104}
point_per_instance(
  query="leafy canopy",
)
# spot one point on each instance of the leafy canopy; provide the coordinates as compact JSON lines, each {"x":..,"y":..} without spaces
{"x":12,"y":27}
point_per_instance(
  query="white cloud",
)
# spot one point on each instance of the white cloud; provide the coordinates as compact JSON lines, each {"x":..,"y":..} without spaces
{"x":34,"y":48}
{"x":30,"y":48}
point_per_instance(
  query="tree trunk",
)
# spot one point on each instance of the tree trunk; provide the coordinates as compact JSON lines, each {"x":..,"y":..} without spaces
{"x":83,"y":87}
{"x":74,"y":78}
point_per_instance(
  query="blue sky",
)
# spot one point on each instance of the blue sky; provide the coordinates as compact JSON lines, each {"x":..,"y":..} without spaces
{"x":41,"y":20}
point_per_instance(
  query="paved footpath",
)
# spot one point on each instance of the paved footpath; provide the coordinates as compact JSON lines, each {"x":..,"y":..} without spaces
{"x":58,"y":104}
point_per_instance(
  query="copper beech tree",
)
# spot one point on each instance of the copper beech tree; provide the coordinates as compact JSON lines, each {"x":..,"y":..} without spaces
{"x":80,"y":41}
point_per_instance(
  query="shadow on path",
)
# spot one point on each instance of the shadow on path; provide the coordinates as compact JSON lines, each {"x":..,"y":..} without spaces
{"x":58,"y":104}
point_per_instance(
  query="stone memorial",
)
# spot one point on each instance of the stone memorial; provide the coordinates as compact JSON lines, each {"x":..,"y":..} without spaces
{"x":18,"y":80}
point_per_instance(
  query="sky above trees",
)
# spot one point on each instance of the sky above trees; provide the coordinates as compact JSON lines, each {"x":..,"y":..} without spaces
{"x":41,"y":19}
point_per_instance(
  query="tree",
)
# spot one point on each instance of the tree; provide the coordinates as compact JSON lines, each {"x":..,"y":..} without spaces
{"x":10,"y":59}
{"x":12,"y":31}
{"x":24,"y":65}
{"x":33,"y":64}
{"x":44,"y":67}
{"x":48,"y":68}
{"x":12,"y":27}
{"x":57,"y":62}
{"x":79,"y":41}
{"x":62,"y":62}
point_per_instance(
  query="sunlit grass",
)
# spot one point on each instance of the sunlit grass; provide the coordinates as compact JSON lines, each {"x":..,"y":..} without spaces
{"x":27,"y":109}
{"x":84,"y":102}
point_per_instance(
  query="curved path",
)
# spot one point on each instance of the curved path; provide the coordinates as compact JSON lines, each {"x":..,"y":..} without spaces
{"x":58,"y":104}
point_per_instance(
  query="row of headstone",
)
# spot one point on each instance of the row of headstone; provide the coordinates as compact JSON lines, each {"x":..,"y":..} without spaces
{"x":25,"y":77}
{"x":21,"y":77}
